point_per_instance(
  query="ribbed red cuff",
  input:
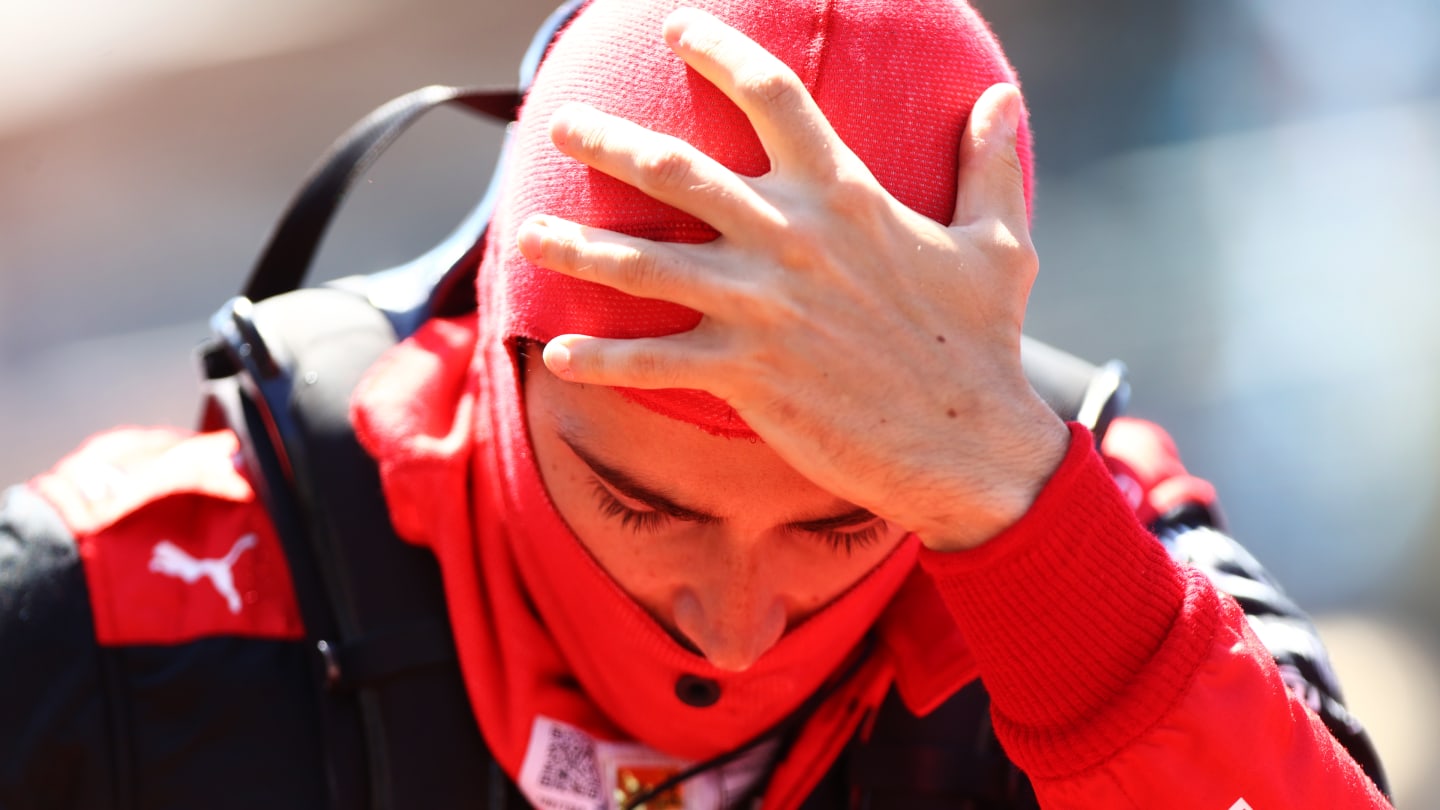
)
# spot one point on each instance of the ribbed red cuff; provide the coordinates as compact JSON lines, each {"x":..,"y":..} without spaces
{"x":1072,"y":616}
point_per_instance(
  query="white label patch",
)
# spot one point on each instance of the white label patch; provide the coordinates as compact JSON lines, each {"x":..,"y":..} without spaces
{"x":1241,"y":804}
{"x":560,"y":770}
{"x":567,"y":769}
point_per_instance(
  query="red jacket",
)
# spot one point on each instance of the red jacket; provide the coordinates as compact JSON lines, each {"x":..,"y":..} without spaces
{"x":1119,"y":677}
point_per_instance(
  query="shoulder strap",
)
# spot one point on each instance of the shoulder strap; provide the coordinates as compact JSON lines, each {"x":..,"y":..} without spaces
{"x":279,"y":370}
{"x":280,"y":374}
{"x":286,"y":259}
{"x":950,"y":758}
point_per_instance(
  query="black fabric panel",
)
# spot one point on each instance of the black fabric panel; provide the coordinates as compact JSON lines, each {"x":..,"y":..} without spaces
{"x":217,"y":723}
{"x":53,"y":720}
{"x":948,"y":759}
{"x":223,"y":723}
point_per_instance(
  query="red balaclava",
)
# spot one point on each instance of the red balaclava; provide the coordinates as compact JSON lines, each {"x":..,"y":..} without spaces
{"x":542,"y":630}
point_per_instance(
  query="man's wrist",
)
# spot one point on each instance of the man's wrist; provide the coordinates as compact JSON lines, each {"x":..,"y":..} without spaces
{"x":1010,"y":489}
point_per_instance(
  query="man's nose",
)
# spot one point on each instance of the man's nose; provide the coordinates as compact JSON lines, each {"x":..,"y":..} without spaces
{"x":732,"y":613}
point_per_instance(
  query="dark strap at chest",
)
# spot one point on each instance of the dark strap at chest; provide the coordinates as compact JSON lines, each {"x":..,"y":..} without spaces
{"x":948,"y":759}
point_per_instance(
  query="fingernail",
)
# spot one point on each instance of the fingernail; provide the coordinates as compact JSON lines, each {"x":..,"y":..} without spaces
{"x":687,"y":28}
{"x":566,"y":121}
{"x":673,"y":28}
{"x":531,"y":238}
{"x":557,"y":358}
{"x":1013,"y":106}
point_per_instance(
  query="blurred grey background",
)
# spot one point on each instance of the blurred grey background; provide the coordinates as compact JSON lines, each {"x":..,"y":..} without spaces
{"x":1239,"y":198}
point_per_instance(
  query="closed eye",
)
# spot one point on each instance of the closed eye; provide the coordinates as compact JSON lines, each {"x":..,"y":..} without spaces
{"x":636,"y":520}
{"x":848,"y":540}
{"x":645,"y":521}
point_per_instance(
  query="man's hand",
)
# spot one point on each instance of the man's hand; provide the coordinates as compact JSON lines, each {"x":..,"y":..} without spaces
{"x":874,"y":349}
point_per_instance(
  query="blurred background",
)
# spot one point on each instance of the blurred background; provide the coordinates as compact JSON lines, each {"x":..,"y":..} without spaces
{"x":1239,"y":198}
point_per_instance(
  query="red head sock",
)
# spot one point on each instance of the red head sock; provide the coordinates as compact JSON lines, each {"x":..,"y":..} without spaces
{"x":896,"y":79}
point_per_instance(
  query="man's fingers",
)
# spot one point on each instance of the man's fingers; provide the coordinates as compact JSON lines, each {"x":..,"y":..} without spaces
{"x":664,"y":167}
{"x":791,"y":127}
{"x":992,"y":183}
{"x":631,"y":265}
{"x":665,"y":362}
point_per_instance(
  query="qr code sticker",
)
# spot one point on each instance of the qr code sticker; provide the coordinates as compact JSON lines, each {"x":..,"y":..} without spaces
{"x":569,"y":763}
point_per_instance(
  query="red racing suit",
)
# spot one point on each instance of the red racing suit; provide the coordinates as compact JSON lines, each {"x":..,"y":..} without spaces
{"x":1120,"y":672}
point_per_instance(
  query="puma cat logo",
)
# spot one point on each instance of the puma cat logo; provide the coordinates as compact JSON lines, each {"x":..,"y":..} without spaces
{"x":171,"y":560}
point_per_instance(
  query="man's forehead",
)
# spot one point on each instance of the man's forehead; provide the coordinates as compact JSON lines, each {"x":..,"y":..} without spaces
{"x":684,"y":464}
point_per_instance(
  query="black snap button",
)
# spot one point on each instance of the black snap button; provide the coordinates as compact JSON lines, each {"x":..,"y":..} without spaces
{"x":696,"y":691}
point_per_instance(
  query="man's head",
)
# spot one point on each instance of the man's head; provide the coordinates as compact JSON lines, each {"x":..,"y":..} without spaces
{"x":719,"y":539}
{"x":896,"y":78}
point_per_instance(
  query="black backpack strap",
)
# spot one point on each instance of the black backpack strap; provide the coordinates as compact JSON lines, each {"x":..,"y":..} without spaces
{"x":292,"y":247}
{"x":279,"y":371}
{"x":397,"y":723}
{"x":948,"y":759}
{"x":287,"y":257}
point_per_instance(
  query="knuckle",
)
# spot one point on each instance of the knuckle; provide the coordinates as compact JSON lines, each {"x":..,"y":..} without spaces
{"x":706,"y":44}
{"x":585,"y":361}
{"x":769,"y":86}
{"x":1010,"y":159}
{"x":589,"y":141}
{"x":1013,"y":248}
{"x":644,"y":271}
{"x":665,"y":169}
{"x":649,"y":367}
{"x":564,"y":251}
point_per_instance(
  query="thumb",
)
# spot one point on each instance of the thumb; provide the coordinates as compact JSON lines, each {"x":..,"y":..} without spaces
{"x":992,"y":182}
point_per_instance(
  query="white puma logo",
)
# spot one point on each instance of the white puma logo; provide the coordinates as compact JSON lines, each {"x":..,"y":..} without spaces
{"x":172,"y":560}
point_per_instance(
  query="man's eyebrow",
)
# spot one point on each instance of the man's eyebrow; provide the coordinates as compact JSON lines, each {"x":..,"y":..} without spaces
{"x":627,"y":484}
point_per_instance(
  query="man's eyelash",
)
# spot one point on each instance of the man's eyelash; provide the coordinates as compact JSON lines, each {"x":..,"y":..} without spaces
{"x":632,"y":519}
{"x":650,"y":521}
{"x":851,"y":540}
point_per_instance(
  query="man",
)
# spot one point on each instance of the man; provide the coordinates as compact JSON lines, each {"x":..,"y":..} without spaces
{"x":735,"y":459}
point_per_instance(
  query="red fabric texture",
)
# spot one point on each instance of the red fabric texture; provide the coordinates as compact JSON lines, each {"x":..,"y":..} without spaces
{"x":173,"y":543}
{"x":1017,"y":597}
{"x":1234,"y":733}
{"x":896,"y":79}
